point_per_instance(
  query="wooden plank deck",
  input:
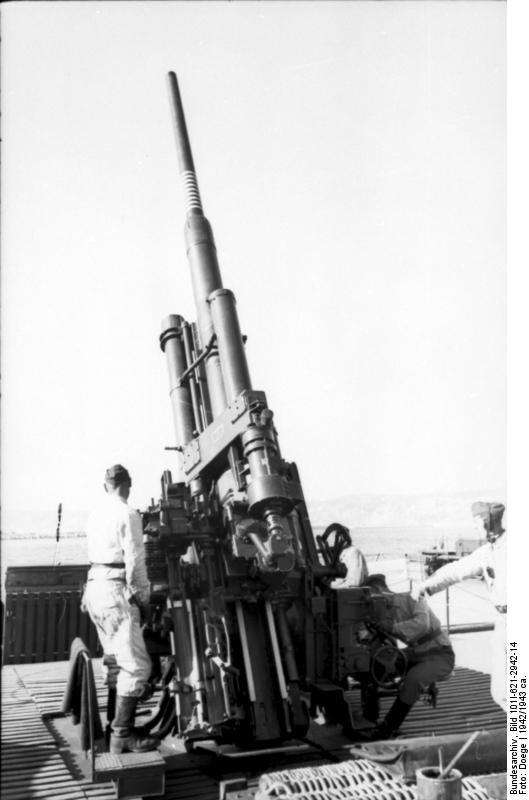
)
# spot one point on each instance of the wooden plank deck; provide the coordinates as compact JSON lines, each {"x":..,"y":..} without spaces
{"x":33,"y":764}
{"x":38,"y":762}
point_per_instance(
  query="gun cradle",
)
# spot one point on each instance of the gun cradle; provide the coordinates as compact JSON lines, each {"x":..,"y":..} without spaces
{"x":251,"y":649}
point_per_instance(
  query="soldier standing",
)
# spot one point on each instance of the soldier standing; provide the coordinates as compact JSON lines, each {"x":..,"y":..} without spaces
{"x":116,"y":589}
{"x":489,"y":562}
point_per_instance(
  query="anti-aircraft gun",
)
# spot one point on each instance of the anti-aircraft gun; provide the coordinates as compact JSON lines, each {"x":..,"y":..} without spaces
{"x":254,"y":637}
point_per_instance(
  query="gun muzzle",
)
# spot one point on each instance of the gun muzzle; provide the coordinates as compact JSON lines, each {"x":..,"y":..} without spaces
{"x":183,"y":148}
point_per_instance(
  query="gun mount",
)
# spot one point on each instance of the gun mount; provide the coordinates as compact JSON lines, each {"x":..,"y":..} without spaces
{"x":242,"y":610}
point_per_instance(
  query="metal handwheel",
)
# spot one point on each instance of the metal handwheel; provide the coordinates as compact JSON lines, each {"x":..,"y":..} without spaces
{"x":388,"y":663}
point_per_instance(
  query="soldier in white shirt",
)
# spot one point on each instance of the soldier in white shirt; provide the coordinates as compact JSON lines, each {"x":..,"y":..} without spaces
{"x":356,"y":566}
{"x":489,"y":562}
{"x":116,"y":589}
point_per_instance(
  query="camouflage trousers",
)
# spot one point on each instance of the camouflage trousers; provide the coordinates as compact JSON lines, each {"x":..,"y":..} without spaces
{"x":118,"y":627}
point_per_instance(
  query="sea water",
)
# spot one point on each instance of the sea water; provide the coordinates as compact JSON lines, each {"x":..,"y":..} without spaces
{"x":24,"y":550}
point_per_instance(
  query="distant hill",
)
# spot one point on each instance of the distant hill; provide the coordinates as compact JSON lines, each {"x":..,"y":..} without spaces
{"x":355,"y":511}
{"x":379,"y":510}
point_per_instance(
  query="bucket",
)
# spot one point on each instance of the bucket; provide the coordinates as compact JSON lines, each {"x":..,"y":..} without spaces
{"x":431,"y":787}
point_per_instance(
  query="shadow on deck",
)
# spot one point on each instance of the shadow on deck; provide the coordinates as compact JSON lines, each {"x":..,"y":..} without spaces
{"x":40,"y":759}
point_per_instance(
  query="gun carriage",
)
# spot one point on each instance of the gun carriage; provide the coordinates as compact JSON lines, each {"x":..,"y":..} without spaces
{"x":247,"y":633}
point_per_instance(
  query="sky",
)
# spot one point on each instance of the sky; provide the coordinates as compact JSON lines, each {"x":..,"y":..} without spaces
{"x":351,"y":159}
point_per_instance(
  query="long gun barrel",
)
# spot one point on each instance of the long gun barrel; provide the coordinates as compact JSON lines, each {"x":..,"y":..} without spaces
{"x":225,"y":365}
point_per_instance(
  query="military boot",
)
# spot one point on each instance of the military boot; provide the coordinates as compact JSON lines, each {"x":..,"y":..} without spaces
{"x":123,"y":738}
{"x":389,"y":726}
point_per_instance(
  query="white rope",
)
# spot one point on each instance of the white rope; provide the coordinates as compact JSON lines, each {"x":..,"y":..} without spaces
{"x":359,"y":779}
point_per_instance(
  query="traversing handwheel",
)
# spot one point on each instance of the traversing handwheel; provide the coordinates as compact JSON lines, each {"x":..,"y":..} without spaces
{"x":388,"y":665}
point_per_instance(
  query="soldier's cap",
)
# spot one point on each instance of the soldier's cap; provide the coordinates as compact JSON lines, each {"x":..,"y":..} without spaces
{"x":117,"y":475}
{"x":376,"y":579}
{"x":490,"y":512}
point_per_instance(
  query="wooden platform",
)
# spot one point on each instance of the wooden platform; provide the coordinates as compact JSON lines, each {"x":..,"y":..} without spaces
{"x":34,"y":763}
{"x":39,"y":760}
